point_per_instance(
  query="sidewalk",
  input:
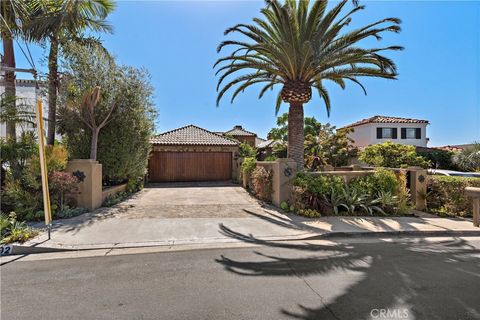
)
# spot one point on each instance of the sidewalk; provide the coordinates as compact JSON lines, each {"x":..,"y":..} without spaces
{"x":101,"y":232}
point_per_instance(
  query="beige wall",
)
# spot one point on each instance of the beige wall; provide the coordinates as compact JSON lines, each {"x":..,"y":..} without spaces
{"x":90,"y":189}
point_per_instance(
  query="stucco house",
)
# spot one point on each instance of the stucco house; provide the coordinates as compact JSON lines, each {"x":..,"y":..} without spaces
{"x":242,"y":135}
{"x":379,"y":129}
{"x":26,"y":97}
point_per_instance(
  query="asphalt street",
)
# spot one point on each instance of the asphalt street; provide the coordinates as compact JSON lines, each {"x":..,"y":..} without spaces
{"x":345,"y":279}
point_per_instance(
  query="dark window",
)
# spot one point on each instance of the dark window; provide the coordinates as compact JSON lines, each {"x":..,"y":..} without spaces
{"x":386,"y":133}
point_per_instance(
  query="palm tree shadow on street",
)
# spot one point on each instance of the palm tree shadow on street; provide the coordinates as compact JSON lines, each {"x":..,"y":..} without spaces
{"x":427,"y":280}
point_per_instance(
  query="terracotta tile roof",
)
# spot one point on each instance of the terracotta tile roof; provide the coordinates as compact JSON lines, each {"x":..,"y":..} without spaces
{"x":268,"y":144}
{"x":384,"y":119}
{"x":259,"y":141}
{"x":192,"y":135}
{"x":239,"y":131}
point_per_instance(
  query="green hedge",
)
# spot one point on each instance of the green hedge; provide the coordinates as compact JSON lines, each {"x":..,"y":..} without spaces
{"x":446,"y":195}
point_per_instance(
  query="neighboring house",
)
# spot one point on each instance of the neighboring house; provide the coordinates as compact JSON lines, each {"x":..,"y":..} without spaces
{"x":26,"y":99}
{"x":242,"y":135}
{"x":379,"y":129}
{"x":265,"y":148}
{"x":456,"y":147}
{"x":192,"y":153}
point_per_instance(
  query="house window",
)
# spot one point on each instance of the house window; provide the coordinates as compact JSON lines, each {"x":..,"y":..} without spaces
{"x":411,"y":133}
{"x":386,"y":133}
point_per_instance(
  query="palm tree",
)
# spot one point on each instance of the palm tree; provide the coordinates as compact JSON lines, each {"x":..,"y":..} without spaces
{"x":62,"y":21}
{"x":299,"y":46}
{"x":13,"y":14}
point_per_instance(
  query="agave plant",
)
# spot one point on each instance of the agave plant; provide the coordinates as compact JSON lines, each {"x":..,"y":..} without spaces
{"x":298,"y":46}
{"x":352,"y":199}
{"x":388,"y":201}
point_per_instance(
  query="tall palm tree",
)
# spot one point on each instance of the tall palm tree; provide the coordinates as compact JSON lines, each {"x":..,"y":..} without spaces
{"x":299,"y":45}
{"x":59,"y":22}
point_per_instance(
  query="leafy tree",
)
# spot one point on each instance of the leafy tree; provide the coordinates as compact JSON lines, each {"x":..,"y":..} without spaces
{"x":61,"y":22}
{"x":124,"y":141}
{"x":299,"y":46}
{"x":392,"y":155}
{"x":328,"y":147}
{"x":469,"y":158}
{"x":246,"y":150}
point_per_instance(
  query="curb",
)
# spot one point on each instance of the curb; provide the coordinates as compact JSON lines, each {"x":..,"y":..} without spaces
{"x":17,"y":250}
{"x":409,"y":233}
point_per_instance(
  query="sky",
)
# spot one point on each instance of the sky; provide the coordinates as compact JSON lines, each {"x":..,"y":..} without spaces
{"x":439,"y":70}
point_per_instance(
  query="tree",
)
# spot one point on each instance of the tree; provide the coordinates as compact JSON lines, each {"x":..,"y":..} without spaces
{"x":299,"y":46}
{"x":323,"y":144}
{"x":328,"y":146}
{"x":61,"y":22}
{"x":124,"y":142}
{"x":392,"y":155}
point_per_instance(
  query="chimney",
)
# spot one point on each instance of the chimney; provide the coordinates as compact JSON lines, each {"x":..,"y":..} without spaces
{"x":238,"y":127}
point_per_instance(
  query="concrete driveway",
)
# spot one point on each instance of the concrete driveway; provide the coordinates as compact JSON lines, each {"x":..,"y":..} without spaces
{"x":175,"y":213}
{"x":193,"y":200}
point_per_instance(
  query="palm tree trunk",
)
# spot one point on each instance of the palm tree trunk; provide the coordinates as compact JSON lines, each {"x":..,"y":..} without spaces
{"x":9,"y":61}
{"x":295,"y":134}
{"x":93,"y":146}
{"x":52,"y":89}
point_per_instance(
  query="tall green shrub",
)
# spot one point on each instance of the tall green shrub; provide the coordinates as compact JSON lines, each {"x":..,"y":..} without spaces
{"x":392,"y":155}
{"x":446,"y":195}
{"x":124,"y":143}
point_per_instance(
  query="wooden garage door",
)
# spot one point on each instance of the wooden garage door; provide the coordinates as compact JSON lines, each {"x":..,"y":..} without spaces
{"x":190,"y":166}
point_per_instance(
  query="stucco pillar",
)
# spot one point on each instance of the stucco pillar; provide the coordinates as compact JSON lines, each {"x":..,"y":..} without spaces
{"x":89,"y":173}
{"x":284,"y":171}
{"x":418,"y":187}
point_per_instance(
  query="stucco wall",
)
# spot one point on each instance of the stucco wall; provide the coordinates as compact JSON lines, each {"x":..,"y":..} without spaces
{"x":366,"y":134}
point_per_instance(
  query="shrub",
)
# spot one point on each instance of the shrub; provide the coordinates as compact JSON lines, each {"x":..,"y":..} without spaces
{"x":468,"y":159}
{"x":62,"y":183}
{"x":13,"y":230}
{"x":68,"y":212}
{"x":247,"y":151}
{"x":382,"y":180}
{"x":23,"y":194}
{"x":392,"y":155}
{"x":446,"y":195}
{"x":440,"y":159}
{"x":115,"y":199}
{"x":380,"y":192}
{"x":248,"y":165}
{"x":262,"y":183}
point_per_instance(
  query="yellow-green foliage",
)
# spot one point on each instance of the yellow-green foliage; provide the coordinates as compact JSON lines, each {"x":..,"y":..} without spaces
{"x":249,"y":164}
{"x":446,"y":195}
{"x":392,"y":155}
